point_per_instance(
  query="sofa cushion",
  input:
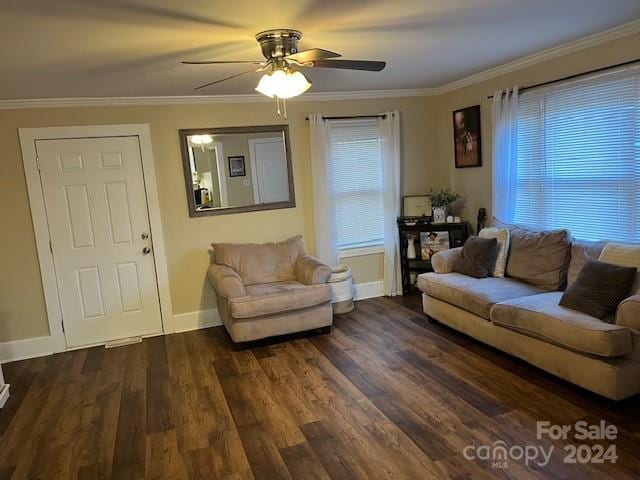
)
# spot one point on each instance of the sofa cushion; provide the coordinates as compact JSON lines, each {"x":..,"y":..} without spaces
{"x":542,"y":317}
{"x":476,"y":295}
{"x":478,"y":257}
{"x":581,"y":252}
{"x":261,"y":263}
{"x":624,"y":255}
{"x":272,"y":298}
{"x":540,"y":258}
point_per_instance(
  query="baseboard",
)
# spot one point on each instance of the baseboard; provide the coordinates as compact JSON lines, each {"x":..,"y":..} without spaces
{"x":4,"y":394}
{"x":27,"y":348}
{"x":185,"y":322}
{"x":362,"y":291}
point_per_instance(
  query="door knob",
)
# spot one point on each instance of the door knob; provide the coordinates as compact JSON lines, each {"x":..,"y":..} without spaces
{"x":146,"y":251}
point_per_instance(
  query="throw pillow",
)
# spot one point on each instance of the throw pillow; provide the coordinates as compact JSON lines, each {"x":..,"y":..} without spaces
{"x":502,"y":236}
{"x":599,"y":288}
{"x":625,"y":255}
{"x":478,"y":257}
{"x":581,"y":252}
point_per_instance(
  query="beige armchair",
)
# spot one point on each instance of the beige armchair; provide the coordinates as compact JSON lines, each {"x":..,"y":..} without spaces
{"x":270,"y":289}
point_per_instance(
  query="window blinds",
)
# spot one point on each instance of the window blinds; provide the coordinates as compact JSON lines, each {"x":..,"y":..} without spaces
{"x":578,"y":157}
{"x":356,"y":177}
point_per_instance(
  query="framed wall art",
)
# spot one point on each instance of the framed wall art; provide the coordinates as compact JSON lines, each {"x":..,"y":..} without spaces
{"x":466,"y":136}
{"x":237,"y":167}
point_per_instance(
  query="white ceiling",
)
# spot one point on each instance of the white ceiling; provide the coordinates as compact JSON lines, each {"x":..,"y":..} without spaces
{"x":105,"y":48}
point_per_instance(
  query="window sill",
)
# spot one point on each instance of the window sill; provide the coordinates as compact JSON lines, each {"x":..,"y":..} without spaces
{"x":361,"y":251}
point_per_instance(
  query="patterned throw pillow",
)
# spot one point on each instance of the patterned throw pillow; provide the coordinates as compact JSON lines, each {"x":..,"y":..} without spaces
{"x":478,"y":257}
{"x":502,"y":236}
{"x":599,"y":288}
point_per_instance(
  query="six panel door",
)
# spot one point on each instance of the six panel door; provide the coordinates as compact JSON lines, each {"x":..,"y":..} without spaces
{"x":99,"y":226}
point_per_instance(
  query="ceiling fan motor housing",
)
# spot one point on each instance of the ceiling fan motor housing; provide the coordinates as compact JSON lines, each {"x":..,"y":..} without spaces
{"x":278,"y":43}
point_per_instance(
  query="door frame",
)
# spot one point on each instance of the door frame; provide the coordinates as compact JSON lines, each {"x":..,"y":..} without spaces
{"x":28,"y":138}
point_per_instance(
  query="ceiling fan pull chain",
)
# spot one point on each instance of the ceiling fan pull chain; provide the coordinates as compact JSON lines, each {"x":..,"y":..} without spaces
{"x":278,"y":105}
{"x":284,"y":104}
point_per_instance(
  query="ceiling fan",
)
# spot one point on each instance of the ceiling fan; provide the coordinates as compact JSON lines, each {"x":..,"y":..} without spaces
{"x":283,"y":78}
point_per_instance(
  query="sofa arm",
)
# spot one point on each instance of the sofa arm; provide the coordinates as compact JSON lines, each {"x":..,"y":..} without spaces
{"x":442,"y":262}
{"x":311,"y":271}
{"x":628,"y":313}
{"x":226,"y":282}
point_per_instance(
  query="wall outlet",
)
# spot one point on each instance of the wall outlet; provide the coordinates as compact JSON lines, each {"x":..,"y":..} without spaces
{"x":245,"y":182}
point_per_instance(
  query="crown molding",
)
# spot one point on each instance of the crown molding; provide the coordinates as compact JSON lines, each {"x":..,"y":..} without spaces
{"x":599,"y":38}
{"x":204,"y":99}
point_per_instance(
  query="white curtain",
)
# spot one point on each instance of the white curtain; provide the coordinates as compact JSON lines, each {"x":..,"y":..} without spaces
{"x":504,"y":114}
{"x":323,"y":199}
{"x":390,"y":135}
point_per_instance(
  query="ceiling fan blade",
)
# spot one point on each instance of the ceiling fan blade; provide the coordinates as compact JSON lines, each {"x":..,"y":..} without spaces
{"x":311,"y":55}
{"x":226,"y":78}
{"x":367,"y":65}
{"x":220,"y":62}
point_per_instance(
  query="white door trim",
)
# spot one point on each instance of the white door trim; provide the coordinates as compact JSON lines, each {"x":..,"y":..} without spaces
{"x":222,"y":176}
{"x":28,"y":137}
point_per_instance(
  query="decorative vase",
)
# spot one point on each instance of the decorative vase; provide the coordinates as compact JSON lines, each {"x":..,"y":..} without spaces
{"x":439,"y":214}
{"x":411,"y":247}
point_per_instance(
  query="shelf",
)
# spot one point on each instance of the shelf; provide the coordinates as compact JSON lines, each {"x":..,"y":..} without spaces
{"x":417,"y":263}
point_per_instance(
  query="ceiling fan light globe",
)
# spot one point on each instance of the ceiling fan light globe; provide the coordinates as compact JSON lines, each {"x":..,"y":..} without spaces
{"x":265,"y":86}
{"x":296,"y":84}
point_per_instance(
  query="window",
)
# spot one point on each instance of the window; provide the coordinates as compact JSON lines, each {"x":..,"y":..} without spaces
{"x":579,"y":158}
{"x":356,"y":176}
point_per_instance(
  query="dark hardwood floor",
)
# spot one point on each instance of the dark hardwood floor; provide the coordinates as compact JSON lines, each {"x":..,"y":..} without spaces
{"x":385,"y":395}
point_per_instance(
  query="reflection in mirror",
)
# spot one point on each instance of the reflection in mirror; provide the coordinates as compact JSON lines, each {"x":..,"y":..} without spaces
{"x":230,"y":170}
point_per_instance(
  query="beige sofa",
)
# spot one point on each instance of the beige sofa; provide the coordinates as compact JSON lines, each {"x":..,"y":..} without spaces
{"x":526,"y":321}
{"x":270,"y":289}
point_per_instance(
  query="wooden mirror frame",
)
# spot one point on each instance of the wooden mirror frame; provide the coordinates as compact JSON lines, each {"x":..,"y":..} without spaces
{"x":184,"y":147}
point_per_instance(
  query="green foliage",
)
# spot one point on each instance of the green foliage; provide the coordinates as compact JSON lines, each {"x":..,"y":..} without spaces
{"x":442,"y":198}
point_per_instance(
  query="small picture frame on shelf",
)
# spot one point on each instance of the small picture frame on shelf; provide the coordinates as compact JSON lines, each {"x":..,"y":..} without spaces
{"x":432,"y":243}
{"x":416,"y":206}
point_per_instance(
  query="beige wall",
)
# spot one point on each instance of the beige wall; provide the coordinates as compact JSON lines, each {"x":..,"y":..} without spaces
{"x":22,"y":311}
{"x":475,"y":183}
{"x":427,"y":152}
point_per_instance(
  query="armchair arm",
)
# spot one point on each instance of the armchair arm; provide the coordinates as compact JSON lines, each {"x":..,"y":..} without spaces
{"x":442,"y":262}
{"x":226,"y":282}
{"x":311,"y":271}
{"x":628,"y":313}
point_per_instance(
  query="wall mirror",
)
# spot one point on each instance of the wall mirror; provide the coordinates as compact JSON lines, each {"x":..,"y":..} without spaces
{"x":237,"y":169}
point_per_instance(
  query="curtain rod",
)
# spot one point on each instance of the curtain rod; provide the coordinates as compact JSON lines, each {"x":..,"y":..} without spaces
{"x":381,"y":115}
{"x":577,"y":75}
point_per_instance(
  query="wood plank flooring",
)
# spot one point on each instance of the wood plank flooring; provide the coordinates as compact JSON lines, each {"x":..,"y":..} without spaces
{"x":386,"y":395}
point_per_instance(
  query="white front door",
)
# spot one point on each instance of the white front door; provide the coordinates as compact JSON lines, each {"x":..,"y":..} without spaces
{"x":96,"y":209}
{"x":269,"y":170}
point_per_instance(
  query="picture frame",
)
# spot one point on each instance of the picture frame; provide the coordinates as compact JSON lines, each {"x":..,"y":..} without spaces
{"x":433,"y":242}
{"x":237,"y":166}
{"x":467,"y":142}
{"x":416,"y":206}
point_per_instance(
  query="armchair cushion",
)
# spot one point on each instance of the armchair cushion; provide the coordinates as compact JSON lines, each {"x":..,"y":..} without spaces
{"x":279,"y":297}
{"x":225,"y":281}
{"x":261,"y":263}
{"x":311,"y":271}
